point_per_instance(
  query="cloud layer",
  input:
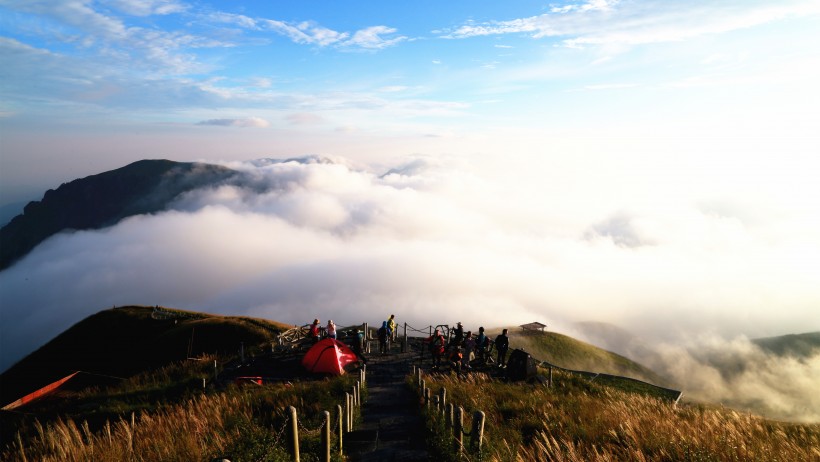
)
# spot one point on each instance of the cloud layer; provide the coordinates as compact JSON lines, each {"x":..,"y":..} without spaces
{"x":433,"y":241}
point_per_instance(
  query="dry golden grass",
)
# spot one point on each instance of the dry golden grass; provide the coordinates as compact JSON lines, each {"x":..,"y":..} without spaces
{"x":581,"y":421}
{"x":244,"y":422}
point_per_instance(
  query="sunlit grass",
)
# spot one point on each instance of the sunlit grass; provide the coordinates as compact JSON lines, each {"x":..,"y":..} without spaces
{"x":244,"y":423}
{"x":577,"y":420}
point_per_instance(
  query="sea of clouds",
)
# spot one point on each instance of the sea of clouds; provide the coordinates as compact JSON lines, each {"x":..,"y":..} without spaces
{"x":439,"y":241}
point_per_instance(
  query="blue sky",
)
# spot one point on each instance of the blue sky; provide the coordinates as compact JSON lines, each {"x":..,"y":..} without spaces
{"x":651,"y":164}
{"x":282,"y":78}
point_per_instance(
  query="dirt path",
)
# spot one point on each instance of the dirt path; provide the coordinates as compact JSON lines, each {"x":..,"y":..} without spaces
{"x":392,"y":429}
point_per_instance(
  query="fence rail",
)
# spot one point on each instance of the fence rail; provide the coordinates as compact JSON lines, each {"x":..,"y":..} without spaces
{"x":439,"y":410}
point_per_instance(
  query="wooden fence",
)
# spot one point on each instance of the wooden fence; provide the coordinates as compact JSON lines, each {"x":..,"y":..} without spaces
{"x":342,"y":424}
{"x":439,"y":410}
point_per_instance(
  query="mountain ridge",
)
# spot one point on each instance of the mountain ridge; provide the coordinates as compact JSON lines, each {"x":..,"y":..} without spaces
{"x":97,"y":201}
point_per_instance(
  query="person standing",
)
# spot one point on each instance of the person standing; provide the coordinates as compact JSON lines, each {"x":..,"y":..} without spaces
{"x":459,"y":335}
{"x":481,"y":345}
{"x":384,"y":336}
{"x":502,"y":343}
{"x":358,"y":345}
{"x":436,"y":345}
{"x":331,"y":329}
{"x":314,"y":331}
{"x":469,"y":346}
{"x":391,"y":323}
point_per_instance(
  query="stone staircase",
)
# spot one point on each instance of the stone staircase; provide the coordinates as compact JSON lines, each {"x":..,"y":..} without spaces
{"x":392,"y":427}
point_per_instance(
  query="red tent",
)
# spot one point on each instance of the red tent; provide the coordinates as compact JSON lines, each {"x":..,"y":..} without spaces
{"x":329,"y":356}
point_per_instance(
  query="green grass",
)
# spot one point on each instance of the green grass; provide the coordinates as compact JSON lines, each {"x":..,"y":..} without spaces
{"x":569,"y":353}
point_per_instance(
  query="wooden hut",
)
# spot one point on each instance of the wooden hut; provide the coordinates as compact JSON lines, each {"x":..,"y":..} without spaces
{"x":533,"y":326}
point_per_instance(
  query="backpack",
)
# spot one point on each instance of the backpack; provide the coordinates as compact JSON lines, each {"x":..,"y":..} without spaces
{"x":382,"y":333}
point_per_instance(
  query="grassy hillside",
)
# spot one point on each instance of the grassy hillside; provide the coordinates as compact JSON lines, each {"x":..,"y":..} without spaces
{"x":579,"y":420}
{"x":175,"y":419}
{"x":797,"y":345}
{"x":125,"y":341}
{"x":569,"y":353}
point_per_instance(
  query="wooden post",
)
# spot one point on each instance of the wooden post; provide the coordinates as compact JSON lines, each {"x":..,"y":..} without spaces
{"x":427,"y":397}
{"x":203,"y":383}
{"x":549,"y":382}
{"x":420,"y":380}
{"x":326,"y":437}
{"x":458,"y":430}
{"x":436,"y":404}
{"x":132,"y":433}
{"x":216,"y":371}
{"x":443,"y":394}
{"x":366,"y":338}
{"x":449,"y":412}
{"x":404,"y":342}
{"x":347,"y":412}
{"x":294,"y":433}
{"x":341,"y":430}
{"x":477,"y":433}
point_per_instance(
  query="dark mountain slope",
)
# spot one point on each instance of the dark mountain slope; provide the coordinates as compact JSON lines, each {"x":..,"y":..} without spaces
{"x":97,"y":201}
{"x":125,"y":341}
{"x":795,"y":345}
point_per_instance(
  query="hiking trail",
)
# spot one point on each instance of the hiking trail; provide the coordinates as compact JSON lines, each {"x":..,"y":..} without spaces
{"x":392,"y":427}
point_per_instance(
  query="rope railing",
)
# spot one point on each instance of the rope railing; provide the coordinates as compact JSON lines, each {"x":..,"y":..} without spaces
{"x":439,"y":410}
{"x":343,"y":424}
{"x":331,"y":434}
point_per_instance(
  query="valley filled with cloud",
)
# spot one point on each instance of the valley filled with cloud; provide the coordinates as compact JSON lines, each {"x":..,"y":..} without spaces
{"x":440,"y":241}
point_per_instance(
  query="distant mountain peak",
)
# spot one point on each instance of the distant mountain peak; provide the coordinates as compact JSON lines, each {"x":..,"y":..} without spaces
{"x":306,"y":160}
{"x":102,"y":200}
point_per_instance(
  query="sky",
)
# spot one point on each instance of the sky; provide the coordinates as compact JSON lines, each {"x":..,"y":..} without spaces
{"x":649,"y":164}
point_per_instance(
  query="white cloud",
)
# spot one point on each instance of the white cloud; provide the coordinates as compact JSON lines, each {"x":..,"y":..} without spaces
{"x":311,"y":33}
{"x":148,"y":7}
{"x":373,"y":38}
{"x":254,"y":122}
{"x":306,"y":32}
{"x":612,"y":23}
{"x":119,"y":48}
{"x":297,"y":239}
{"x":232,"y":18}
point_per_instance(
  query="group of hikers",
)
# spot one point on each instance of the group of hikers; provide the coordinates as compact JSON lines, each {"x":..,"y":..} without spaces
{"x":460,"y":350}
{"x":463,"y":348}
{"x":386,"y":335}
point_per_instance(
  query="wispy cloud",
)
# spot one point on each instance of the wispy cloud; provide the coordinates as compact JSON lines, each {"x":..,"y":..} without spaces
{"x":374,"y":38}
{"x":148,"y":7}
{"x":254,"y":122}
{"x":612,"y":23}
{"x":312,"y":33}
{"x":306,"y":32}
{"x":115,"y":43}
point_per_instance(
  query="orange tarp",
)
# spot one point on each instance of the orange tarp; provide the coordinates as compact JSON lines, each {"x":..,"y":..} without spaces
{"x":39,"y":393}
